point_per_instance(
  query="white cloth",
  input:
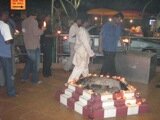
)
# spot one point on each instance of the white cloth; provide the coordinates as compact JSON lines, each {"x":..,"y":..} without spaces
{"x":83,"y":52}
{"x":72,"y":39}
{"x":5,"y":31}
{"x":73,"y":32}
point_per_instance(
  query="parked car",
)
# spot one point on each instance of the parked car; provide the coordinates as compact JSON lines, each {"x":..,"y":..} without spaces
{"x":145,"y":44}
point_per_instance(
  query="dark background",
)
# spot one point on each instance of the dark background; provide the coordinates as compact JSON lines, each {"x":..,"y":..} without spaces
{"x":153,"y":7}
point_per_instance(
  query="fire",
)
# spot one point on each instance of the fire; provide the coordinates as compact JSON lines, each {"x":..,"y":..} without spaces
{"x":44,"y":24}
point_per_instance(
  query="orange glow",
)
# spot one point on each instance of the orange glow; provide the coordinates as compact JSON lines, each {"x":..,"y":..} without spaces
{"x":18,"y":4}
{"x":139,"y":103}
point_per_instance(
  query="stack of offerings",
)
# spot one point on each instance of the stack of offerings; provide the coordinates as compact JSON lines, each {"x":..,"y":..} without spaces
{"x":97,"y":97}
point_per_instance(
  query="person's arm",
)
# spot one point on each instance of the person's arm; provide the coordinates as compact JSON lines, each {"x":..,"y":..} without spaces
{"x":36,"y":30}
{"x":72,"y":32}
{"x":85,"y":39}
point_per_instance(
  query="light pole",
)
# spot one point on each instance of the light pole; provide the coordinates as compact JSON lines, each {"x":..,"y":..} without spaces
{"x":52,"y":13}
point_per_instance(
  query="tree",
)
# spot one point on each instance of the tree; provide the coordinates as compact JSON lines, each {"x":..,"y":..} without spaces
{"x":67,"y":7}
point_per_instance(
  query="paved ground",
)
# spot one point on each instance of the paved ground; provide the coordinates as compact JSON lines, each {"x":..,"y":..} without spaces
{"x":36,"y":102}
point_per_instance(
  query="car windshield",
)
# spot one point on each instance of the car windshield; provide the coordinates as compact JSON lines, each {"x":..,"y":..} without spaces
{"x":94,"y":30}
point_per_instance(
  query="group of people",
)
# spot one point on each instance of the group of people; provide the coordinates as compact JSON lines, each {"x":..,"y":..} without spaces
{"x":33,"y":33}
{"x":80,"y":48}
{"x":37,"y":38}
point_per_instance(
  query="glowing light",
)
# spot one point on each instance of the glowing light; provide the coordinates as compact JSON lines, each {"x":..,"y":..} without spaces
{"x":126,"y":40}
{"x":139,"y":103}
{"x":101,"y":75}
{"x":108,"y":76}
{"x":59,"y":32}
{"x":110,"y":19}
{"x":89,"y":74}
{"x":16,"y":32}
{"x":44,"y":24}
{"x":95,"y":18}
{"x":137,"y":94}
{"x":65,"y":37}
{"x":131,"y":21}
{"x":95,"y":75}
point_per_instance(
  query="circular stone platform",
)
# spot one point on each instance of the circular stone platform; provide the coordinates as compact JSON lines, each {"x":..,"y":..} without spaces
{"x":94,"y":97}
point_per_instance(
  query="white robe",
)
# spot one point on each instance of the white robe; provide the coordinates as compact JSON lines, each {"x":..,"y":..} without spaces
{"x":82,"y":55}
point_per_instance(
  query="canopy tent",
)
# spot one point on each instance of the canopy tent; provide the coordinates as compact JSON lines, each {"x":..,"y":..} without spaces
{"x":102,"y":12}
{"x":132,"y":14}
{"x":128,"y":14}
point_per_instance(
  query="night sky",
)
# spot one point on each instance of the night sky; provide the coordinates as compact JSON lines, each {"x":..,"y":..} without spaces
{"x":154,"y":7}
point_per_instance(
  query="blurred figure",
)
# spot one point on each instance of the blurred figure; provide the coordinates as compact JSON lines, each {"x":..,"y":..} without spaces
{"x":31,"y":34}
{"x":12,"y":26}
{"x":82,"y":55}
{"x":110,"y":34}
{"x":5,"y":53}
{"x":72,"y":38}
{"x":46,"y":46}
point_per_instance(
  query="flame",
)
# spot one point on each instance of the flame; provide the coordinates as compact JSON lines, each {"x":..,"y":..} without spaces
{"x":65,"y":37}
{"x":59,"y":32}
{"x":139,"y":103}
{"x":101,"y":75}
{"x":44,"y":24}
{"x":95,"y":75}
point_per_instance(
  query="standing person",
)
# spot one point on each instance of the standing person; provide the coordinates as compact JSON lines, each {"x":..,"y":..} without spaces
{"x":5,"y":53}
{"x":12,"y":26}
{"x":82,"y":55}
{"x":31,"y":34}
{"x":72,"y":38}
{"x":46,"y":46}
{"x":110,"y":34}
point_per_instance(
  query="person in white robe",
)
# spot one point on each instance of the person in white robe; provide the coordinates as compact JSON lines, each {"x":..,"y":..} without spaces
{"x":82,"y":55}
{"x":72,"y":38}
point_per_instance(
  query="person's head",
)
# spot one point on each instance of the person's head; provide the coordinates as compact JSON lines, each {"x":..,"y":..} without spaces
{"x":70,"y":22}
{"x":117,"y":18}
{"x":4,"y":15}
{"x":79,"y":21}
{"x":23,"y":15}
{"x":86,"y":23}
{"x":47,"y":18}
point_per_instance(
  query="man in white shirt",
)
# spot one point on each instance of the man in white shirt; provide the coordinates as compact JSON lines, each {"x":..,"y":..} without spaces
{"x":5,"y":53}
{"x":82,"y":55}
{"x":72,"y":38}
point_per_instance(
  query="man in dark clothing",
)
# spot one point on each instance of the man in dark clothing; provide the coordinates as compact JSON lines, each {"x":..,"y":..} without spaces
{"x":110,"y":33}
{"x":46,"y":46}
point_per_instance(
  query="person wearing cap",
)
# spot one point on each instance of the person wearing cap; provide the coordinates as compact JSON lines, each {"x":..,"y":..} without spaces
{"x":110,"y":34}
